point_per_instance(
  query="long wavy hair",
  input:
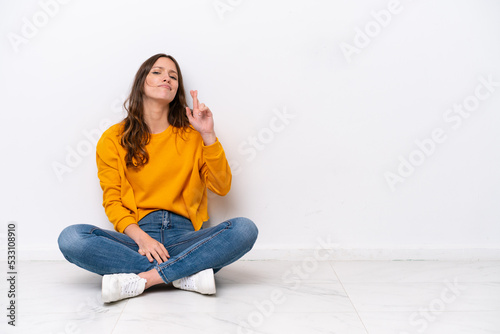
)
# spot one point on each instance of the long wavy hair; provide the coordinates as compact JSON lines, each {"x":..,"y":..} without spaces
{"x":135,"y":132}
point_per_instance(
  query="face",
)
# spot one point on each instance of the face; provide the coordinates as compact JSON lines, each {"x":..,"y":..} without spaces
{"x":162,"y":81}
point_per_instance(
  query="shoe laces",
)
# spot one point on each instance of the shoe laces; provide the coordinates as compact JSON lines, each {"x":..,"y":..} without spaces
{"x":130,"y":286}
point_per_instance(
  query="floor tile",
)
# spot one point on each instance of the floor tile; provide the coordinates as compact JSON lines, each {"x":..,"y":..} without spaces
{"x":235,"y":323}
{"x":431,"y":322}
{"x":251,"y":272}
{"x":417,"y":271}
{"x":72,"y":322}
{"x":320,"y":297}
{"x":414,"y":296}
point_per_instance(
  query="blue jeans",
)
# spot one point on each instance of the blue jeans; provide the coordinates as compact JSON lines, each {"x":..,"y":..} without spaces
{"x":109,"y":252}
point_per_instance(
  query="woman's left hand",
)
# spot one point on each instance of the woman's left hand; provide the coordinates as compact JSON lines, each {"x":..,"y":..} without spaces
{"x":201,"y":119}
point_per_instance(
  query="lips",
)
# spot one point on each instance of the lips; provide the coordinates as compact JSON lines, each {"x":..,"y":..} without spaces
{"x":166,"y":86}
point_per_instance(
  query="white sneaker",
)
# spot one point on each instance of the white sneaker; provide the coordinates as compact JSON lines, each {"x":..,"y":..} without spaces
{"x":202,"y":282}
{"x":121,"y":286}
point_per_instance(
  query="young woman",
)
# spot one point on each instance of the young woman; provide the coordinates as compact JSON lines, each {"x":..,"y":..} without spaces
{"x":154,"y":169}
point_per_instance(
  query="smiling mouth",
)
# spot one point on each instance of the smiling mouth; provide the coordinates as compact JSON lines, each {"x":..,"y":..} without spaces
{"x":166,"y":86}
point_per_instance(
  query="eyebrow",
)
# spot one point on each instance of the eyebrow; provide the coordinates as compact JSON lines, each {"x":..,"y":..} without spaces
{"x":163,"y":69}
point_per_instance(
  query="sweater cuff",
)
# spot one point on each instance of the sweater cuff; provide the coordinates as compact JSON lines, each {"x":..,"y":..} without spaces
{"x":213,"y":150}
{"x":122,"y":224}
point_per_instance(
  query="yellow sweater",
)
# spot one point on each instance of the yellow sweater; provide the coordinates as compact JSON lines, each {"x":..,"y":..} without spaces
{"x":176,"y":178}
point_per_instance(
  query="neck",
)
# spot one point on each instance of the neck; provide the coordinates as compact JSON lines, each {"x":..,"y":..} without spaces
{"x":156,"y":115}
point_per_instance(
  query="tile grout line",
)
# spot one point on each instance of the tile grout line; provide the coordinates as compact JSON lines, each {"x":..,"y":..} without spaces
{"x":119,"y":317}
{"x":350,"y":300}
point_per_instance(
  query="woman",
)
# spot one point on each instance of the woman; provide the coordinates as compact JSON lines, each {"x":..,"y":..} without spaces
{"x":154,"y":168}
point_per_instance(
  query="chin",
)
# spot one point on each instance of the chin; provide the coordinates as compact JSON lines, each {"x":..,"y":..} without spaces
{"x":165,"y":99}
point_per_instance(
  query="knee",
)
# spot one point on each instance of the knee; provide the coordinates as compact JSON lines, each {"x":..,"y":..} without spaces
{"x":69,"y":238}
{"x":246,"y":229}
{"x":66,"y":238}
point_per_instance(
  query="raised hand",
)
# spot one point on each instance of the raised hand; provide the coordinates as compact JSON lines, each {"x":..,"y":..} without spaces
{"x":201,"y":119}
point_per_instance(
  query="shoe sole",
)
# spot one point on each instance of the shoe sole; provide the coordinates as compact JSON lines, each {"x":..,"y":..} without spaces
{"x":207,"y":282}
{"x":106,"y":288}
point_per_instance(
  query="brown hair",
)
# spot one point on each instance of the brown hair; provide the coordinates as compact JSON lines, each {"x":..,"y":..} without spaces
{"x":135,"y":132}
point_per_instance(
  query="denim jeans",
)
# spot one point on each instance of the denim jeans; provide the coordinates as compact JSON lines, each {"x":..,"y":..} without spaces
{"x":109,"y":252}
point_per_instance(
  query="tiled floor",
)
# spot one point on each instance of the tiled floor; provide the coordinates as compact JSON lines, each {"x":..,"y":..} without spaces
{"x":375,"y":297}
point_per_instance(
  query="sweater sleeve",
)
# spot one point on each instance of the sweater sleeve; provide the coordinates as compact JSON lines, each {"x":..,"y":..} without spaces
{"x":215,"y":169}
{"x":108,"y":162}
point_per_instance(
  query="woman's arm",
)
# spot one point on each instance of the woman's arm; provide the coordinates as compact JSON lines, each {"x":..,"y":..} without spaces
{"x":107,"y":160}
{"x":121,"y":217}
{"x":215,"y":169}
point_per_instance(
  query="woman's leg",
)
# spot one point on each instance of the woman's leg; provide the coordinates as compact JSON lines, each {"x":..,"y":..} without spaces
{"x":109,"y":252}
{"x":101,"y":251}
{"x":193,"y":251}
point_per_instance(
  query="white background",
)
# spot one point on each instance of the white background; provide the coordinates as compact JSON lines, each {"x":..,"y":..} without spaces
{"x":320,"y":174}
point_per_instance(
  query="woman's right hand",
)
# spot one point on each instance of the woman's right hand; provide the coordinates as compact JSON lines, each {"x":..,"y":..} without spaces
{"x":148,"y":246}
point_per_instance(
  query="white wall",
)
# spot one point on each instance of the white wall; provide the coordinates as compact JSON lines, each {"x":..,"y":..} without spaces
{"x":321,"y":172}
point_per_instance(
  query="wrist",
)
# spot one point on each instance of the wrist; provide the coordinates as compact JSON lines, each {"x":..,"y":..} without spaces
{"x":209,"y":138}
{"x":135,"y":232}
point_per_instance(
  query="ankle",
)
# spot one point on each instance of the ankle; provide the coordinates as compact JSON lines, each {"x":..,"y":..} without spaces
{"x":152,"y":278}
